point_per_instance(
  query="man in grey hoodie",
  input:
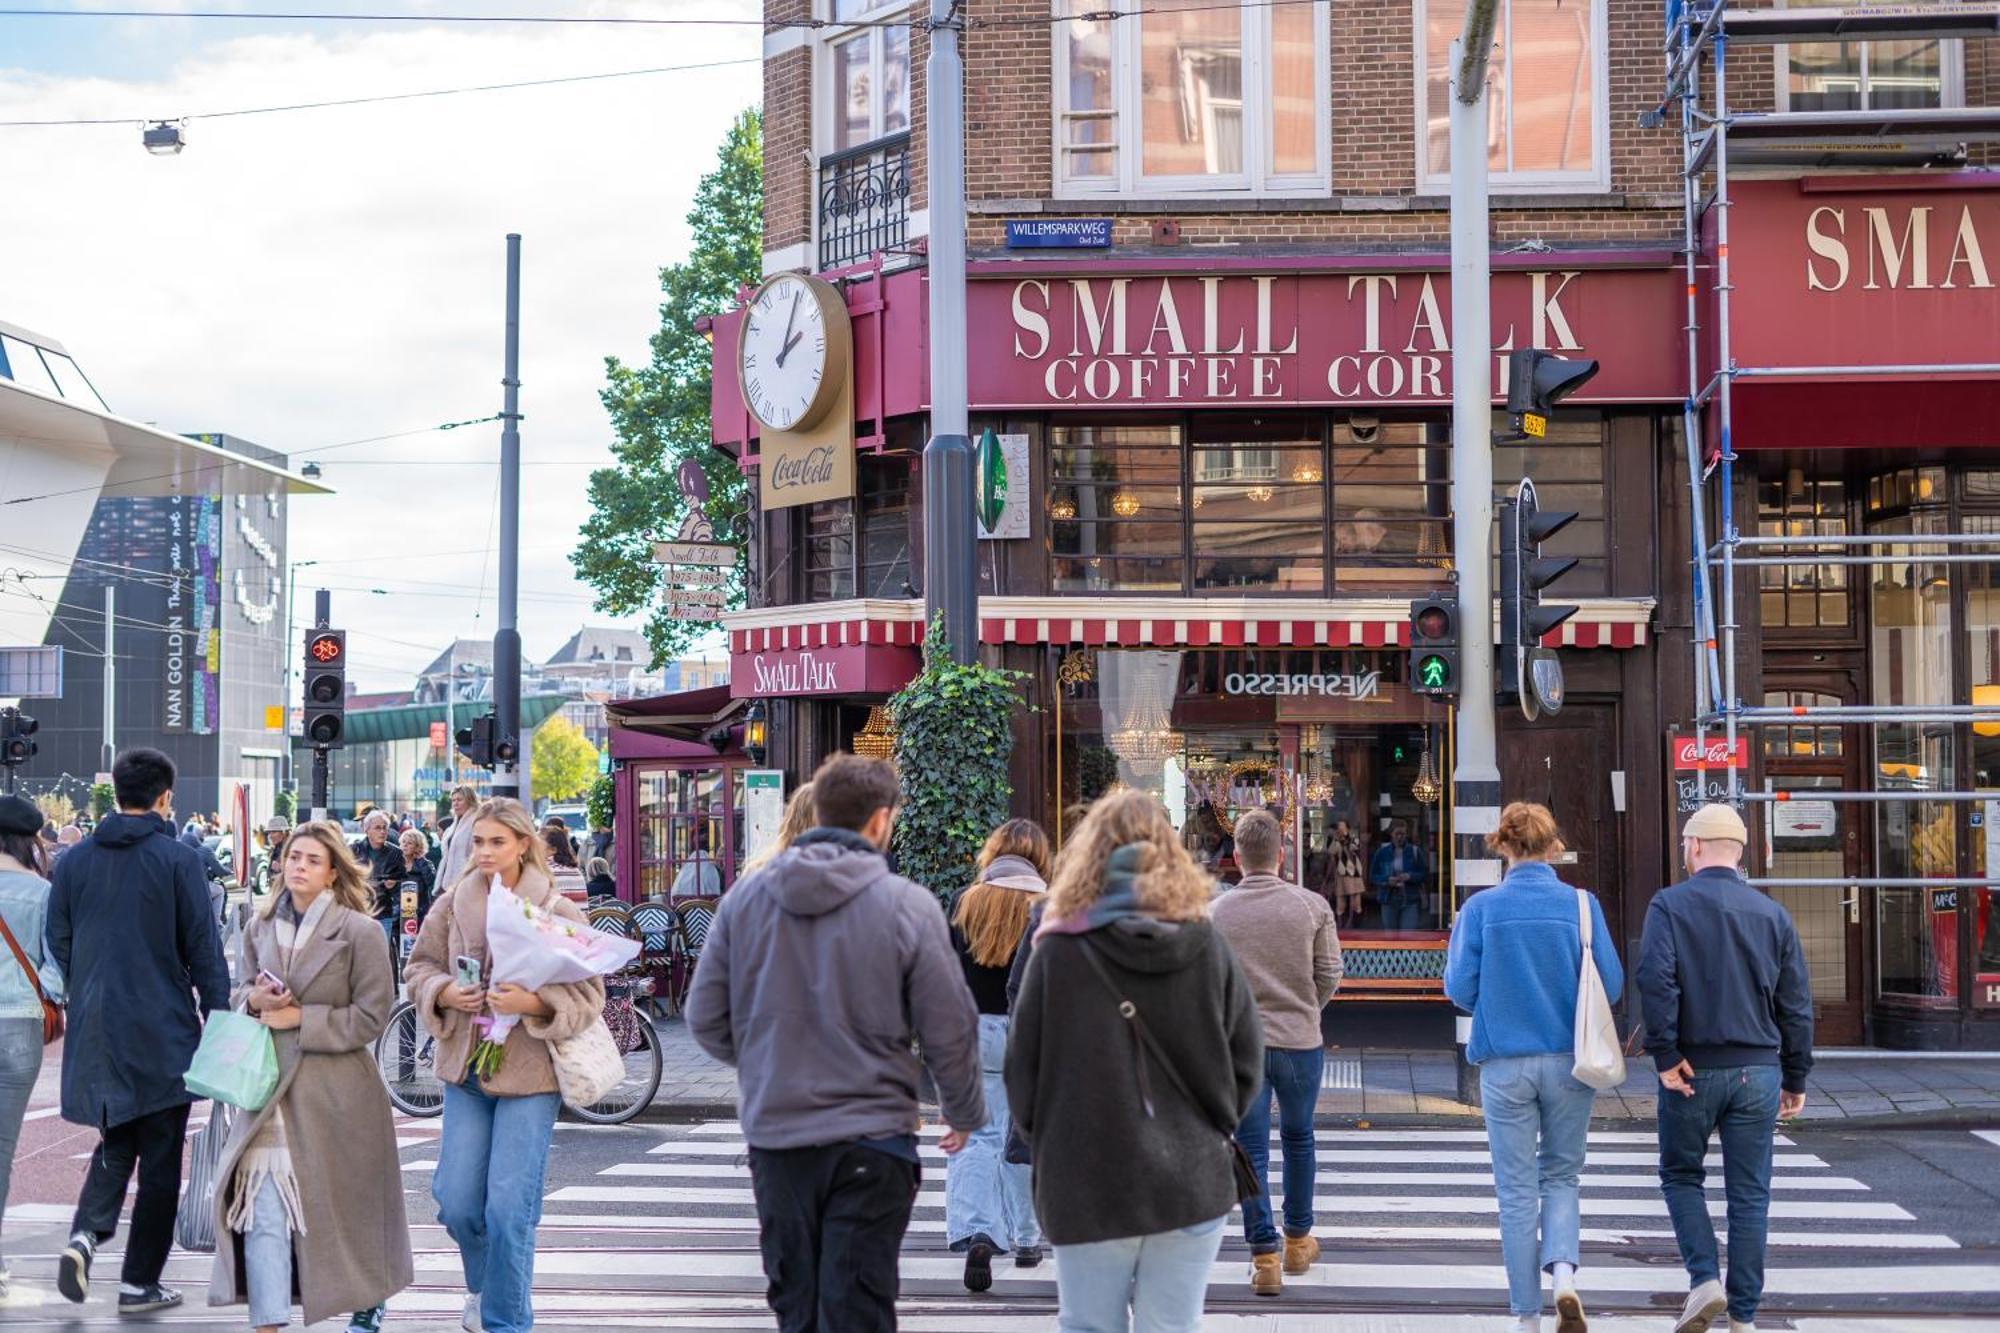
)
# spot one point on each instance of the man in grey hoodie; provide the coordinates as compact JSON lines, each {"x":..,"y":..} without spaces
{"x":821,"y":974}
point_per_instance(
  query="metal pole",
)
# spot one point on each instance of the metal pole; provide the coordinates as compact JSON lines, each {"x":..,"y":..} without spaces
{"x":507,"y":638}
{"x":322,"y":619}
{"x":110,"y":676}
{"x":1475,"y":777}
{"x":951,"y":581}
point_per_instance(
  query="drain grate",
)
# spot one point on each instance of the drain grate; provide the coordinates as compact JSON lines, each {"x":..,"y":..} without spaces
{"x":1342,"y":1076}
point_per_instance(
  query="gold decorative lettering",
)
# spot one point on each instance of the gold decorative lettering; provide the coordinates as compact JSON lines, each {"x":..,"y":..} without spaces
{"x":1033,"y":322}
{"x":1914,"y":248}
{"x":1965,"y":250}
{"x":1829,"y":247}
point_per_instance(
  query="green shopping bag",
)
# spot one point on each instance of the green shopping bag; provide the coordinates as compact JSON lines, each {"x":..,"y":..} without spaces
{"x":236,"y":1062}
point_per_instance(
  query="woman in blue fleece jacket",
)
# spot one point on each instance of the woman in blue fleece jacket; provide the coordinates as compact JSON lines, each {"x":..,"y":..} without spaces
{"x":1516,"y":952}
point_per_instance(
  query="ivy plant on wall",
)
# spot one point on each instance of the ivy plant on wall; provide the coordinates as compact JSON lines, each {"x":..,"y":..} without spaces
{"x":954,"y":733}
{"x":597,"y":806}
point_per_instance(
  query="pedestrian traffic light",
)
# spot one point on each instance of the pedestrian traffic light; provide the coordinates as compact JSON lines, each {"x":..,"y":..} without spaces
{"x":476,"y":741}
{"x":1525,"y":571}
{"x":1434,"y":646}
{"x":326,"y":688}
{"x":16,"y":727}
{"x":505,"y":750}
{"x":1536,"y":382}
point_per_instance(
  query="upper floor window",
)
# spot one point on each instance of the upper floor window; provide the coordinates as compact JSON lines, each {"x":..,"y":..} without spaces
{"x":1869,"y":76}
{"x":1190,"y":97}
{"x":1546,"y":110}
{"x":867,"y":89}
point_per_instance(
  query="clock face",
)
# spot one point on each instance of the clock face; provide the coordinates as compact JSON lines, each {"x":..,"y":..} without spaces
{"x":784,"y":352}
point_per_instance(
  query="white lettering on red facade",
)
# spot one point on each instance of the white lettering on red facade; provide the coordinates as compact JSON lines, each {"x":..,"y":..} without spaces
{"x":1896,"y":243}
{"x":794,"y":673}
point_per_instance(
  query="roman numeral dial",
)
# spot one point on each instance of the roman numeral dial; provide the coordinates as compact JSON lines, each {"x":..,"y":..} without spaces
{"x":783,"y":362}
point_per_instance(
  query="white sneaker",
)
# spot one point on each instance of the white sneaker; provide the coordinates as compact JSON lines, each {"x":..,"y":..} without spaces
{"x":469,"y":1321}
{"x":1738,"y":1326}
{"x":1528,"y":1323}
{"x":1704,"y":1303}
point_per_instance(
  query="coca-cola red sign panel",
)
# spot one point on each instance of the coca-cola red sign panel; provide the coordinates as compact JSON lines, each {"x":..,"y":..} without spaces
{"x":1242,"y":339}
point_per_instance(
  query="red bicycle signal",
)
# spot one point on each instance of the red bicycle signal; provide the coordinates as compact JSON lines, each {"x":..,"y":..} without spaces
{"x":326,"y":649}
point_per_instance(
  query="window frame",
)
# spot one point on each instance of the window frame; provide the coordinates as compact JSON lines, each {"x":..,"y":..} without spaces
{"x":1951,"y":71}
{"x":836,"y":32}
{"x":1596,"y":181}
{"x":1126,"y":117}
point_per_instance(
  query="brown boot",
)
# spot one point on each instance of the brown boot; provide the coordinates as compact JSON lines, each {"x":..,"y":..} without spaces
{"x":1300,"y":1251}
{"x":1265,"y":1279}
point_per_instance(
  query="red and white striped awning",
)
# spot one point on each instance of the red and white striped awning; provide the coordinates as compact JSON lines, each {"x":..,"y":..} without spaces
{"x":1153,"y":623}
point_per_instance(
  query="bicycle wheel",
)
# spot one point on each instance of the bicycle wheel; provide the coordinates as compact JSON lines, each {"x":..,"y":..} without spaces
{"x":635,"y":1094}
{"x":403,"y":1055}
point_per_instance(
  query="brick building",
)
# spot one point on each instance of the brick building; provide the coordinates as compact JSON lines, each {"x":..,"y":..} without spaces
{"x":1228,"y":383}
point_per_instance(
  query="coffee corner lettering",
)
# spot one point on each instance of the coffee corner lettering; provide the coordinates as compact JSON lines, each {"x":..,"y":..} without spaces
{"x":1360,"y":685}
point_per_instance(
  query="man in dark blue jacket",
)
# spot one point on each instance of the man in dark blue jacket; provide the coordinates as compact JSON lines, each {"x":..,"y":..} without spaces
{"x":129,"y":922}
{"x":1729,"y":1024}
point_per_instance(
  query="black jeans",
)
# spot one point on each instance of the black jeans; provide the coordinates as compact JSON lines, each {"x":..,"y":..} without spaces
{"x":153,"y":1142}
{"x":831,"y":1223}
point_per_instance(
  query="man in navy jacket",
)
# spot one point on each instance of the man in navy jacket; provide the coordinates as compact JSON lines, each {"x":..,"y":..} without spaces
{"x":130,"y":924}
{"x":1729,"y":1024}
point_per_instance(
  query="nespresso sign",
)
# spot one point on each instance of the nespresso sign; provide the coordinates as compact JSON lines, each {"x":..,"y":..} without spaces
{"x":1306,"y":338}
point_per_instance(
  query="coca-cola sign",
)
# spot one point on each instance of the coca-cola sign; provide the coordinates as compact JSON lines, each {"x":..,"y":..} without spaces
{"x":1714,"y":753}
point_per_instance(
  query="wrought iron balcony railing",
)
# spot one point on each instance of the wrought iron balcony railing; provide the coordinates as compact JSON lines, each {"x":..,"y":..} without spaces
{"x":864,"y":201}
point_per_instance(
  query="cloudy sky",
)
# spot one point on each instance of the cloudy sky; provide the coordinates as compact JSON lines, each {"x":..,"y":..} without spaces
{"x":318,"y":277}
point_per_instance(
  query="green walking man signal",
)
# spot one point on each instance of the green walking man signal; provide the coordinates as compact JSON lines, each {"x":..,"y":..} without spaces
{"x":1434,"y":646}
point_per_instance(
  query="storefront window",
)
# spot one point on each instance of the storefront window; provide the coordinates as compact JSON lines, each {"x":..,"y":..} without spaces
{"x":684,"y":831}
{"x":1567,"y":468}
{"x":1911,"y":642}
{"x":885,"y":526}
{"x":1391,"y":504}
{"x":1328,"y":740}
{"x":1259,"y":506}
{"x":829,"y":551}
{"x":1982,"y":623}
{"x":1803,"y":596}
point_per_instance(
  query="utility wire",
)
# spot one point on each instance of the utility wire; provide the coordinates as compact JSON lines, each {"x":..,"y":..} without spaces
{"x":389,"y":97}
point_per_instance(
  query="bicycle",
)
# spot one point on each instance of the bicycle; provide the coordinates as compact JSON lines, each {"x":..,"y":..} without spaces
{"x":405,"y":1053}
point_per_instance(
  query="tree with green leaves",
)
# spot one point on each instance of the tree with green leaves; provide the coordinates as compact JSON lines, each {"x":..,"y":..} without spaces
{"x":563,"y":762}
{"x":660,"y":410}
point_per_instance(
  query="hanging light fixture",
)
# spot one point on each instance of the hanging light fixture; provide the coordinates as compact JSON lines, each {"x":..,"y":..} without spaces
{"x":877,"y":737}
{"x":1260,"y":494}
{"x":1124,"y":504}
{"x":1307,"y":472}
{"x":1426,"y":788}
{"x":1062,"y":508}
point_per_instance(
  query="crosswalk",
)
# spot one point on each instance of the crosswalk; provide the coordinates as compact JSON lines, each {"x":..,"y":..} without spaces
{"x":655,"y":1226}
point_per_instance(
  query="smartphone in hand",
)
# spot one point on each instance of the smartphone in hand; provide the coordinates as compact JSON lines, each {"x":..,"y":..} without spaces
{"x":270,"y":981}
{"x":467,"y":971}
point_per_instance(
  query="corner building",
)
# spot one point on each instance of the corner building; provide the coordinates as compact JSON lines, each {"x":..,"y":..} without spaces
{"x":1209,"y":316}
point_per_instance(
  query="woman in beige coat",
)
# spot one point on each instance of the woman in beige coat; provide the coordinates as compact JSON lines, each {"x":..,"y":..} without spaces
{"x":310,"y":1192}
{"x":494,"y":1151}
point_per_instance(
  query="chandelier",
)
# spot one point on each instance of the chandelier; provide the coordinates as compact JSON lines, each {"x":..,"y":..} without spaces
{"x":1124,"y":504}
{"x":1062,"y":508}
{"x":1306,"y":472}
{"x":1319,"y":791}
{"x":877,"y":737}
{"x":1426,"y":788}
{"x":1260,"y":494}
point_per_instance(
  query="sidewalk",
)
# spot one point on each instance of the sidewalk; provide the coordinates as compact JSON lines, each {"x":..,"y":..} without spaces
{"x":1410,"y":1088}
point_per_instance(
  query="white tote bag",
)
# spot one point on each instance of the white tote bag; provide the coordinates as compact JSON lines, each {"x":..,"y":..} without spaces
{"x":588,"y":1066}
{"x":1600,"y":1062}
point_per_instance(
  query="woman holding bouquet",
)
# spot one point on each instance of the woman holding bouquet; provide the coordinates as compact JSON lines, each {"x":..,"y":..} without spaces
{"x":497,"y":1123}
{"x":310,"y":1190}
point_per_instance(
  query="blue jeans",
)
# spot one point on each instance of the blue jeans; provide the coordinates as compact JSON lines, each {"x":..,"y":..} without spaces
{"x":1293,"y":1078}
{"x":1402,"y":909}
{"x":984,"y":1195}
{"x":20,"y":1062}
{"x":267,"y":1259}
{"x":1742,"y":1104}
{"x":1537,"y":1129}
{"x":492,"y":1159}
{"x":1137,"y":1284}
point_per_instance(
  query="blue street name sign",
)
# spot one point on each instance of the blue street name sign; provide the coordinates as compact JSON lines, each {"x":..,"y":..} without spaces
{"x":1059,"y":233}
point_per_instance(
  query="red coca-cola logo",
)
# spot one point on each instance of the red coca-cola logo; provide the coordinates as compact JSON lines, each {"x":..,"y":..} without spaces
{"x":1713,"y":754}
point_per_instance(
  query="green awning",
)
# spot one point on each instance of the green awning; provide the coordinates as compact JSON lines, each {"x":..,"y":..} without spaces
{"x":411,"y":722}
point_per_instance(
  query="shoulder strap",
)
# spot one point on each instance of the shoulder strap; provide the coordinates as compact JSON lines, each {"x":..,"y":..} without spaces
{"x":34,"y":978}
{"x":1130,"y":1013}
{"x":1583,"y":918}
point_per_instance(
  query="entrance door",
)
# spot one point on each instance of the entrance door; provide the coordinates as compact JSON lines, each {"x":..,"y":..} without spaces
{"x":1564,"y":762}
{"x":1823,"y":842}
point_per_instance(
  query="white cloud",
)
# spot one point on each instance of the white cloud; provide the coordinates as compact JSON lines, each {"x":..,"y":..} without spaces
{"x":322,"y":276}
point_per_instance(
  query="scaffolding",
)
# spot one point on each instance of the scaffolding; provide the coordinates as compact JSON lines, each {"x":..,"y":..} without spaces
{"x":1717,"y":138}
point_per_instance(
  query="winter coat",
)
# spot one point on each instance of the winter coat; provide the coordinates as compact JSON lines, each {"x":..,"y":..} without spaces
{"x":457,"y":925}
{"x":385,"y":870}
{"x":820,"y":972}
{"x":354,"y":1252}
{"x":1103,"y":1169}
{"x":130,"y":927}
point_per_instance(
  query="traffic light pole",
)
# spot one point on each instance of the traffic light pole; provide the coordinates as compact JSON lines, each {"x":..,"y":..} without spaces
{"x":1475,"y":778}
{"x":322,"y":619}
{"x":507,"y":639}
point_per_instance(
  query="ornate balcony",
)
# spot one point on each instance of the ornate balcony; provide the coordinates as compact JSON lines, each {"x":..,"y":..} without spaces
{"x":864,"y":201}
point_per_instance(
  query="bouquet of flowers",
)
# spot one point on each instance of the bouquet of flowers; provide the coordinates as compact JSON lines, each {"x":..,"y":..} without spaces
{"x":532,"y":947}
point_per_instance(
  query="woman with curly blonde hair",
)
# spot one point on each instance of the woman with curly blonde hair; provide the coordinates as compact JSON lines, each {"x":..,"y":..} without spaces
{"x":1130,"y":984}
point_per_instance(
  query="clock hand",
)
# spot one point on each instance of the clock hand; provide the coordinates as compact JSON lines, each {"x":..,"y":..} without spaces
{"x":789,"y":339}
{"x":790,"y":343}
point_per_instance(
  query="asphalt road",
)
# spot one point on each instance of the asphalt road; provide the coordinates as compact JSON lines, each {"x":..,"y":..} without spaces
{"x":1873,"y":1231}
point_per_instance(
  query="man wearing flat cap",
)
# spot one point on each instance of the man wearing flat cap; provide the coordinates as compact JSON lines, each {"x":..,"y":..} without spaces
{"x":1729,"y":1024}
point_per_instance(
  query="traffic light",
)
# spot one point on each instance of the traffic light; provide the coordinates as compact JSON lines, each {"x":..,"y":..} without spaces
{"x":476,"y":741}
{"x":505,"y":750}
{"x":1536,"y":382}
{"x":326,"y":688}
{"x":15,"y":729}
{"x":1434,"y":646}
{"x":1525,"y":571}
